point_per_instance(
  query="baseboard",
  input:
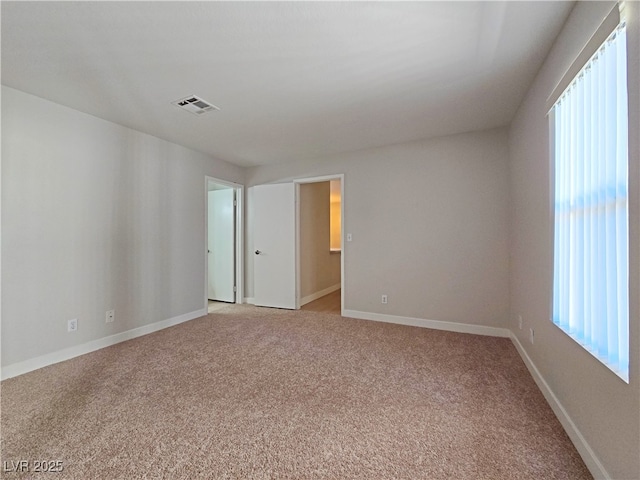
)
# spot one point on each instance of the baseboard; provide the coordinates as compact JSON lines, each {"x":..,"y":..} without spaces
{"x":321,"y":293}
{"x":26,"y":366}
{"x":250,"y":300}
{"x":586,"y":452}
{"x":434,"y":324}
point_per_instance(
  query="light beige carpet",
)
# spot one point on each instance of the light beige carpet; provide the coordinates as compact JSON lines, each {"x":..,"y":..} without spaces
{"x":262,"y":393}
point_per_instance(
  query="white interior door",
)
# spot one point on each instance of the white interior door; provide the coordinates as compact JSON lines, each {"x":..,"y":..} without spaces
{"x":274,"y":245}
{"x":221,"y":245}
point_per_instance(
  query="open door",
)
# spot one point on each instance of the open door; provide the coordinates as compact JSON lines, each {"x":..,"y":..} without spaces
{"x":275,"y":247}
{"x":221,"y":245}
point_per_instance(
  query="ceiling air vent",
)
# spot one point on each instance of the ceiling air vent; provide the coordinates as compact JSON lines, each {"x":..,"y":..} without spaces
{"x":195,"y":105}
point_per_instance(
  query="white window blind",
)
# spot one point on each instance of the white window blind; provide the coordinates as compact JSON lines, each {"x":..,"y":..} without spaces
{"x":591,"y":259}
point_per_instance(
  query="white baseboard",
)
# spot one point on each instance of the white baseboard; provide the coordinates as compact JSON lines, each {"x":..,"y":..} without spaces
{"x":321,"y":293}
{"x":434,"y":324}
{"x":250,"y":300}
{"x":586,"y":452}
{"x":26,"y":366}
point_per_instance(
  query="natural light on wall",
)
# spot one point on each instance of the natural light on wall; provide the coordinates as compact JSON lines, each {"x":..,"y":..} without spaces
{"x":591,"y":240}
{"x":335,"y":216}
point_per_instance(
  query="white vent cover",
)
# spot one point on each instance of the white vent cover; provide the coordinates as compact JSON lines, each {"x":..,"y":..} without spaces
{"x":195,"y":105}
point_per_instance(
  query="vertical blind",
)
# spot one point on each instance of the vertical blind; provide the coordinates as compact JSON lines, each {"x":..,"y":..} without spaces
{"x":591,"y":259}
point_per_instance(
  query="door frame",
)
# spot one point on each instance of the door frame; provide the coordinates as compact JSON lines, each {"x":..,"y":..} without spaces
{"x":238,"y":235}
{"x":325,"y":178}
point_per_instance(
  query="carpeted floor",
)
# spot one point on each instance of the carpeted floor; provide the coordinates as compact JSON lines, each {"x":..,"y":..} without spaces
{"x":260,"y":393}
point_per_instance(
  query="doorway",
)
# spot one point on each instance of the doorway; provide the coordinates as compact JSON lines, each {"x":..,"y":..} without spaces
{"x":223,"y":229}
{"x":319,"y":244}
{"x":276,"y":221}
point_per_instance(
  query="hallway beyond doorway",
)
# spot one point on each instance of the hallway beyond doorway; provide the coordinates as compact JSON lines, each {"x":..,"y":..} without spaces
{"x":214,"y":306}
{"x":328,"y":304}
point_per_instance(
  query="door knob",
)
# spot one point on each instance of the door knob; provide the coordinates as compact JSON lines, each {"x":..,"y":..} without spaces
{"x":258,"y":252}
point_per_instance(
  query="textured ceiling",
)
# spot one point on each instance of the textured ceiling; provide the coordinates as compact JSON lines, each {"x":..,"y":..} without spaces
{"x":293,"y":80}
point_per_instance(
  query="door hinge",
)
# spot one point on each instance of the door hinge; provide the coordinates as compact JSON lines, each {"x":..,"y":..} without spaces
{"x":235,"y":288}
{"x":235,"y":203}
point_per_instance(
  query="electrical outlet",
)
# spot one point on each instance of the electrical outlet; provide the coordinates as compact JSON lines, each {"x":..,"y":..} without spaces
{"x":532,"y":334}
{"x":520,"y":322}
{"x":384,"y":299}
{"x":72,"y":325}
{"x":110,"y":316}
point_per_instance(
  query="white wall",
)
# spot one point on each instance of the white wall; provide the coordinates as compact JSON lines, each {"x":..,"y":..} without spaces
{"x":429,"y":222}
{"x":319,"y":268}
{"x":604,"y":408}
{"x":95,"y":216}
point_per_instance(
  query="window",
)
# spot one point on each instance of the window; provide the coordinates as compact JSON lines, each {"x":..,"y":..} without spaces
{"x":591,"y":259}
